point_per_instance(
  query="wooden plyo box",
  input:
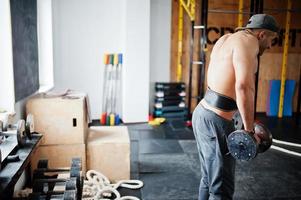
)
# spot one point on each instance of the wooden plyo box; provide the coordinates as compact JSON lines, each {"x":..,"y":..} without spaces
{"x":59,"y":156}
{"x":108,"y":151}
{"x":61,"y":120}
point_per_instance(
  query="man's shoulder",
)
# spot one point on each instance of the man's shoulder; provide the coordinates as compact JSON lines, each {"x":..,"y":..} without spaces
{"x":244,"y":40}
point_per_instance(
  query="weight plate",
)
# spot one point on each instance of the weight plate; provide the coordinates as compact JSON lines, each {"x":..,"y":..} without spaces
{"x":242,"y":145}
{"x":1,"y":126}
{"x":0,"y":159}
{"x":237,"y":120}
{"x":29,"y":126}
{"x":5,"y":120}
{"x":265,"y":135}
{"x":21,"y":132}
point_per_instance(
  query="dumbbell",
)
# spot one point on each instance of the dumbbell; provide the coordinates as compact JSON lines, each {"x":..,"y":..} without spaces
{"x":70,"y":184}
{"x":17,"y":130}
{"x":244,"y":145}
{"x":65,"y":195}
{"x":39,"y":184}
{"x":74,"y":170}
{"x":29,"y":125}
{"x":22,"y":129}
{"x":43,"y":165}
{"x":42,"y":169}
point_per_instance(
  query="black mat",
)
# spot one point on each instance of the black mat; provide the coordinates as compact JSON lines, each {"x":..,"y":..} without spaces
{"x":139,"y":126}
{"x":177,"y":124}
{"x":179,"y":134}
{"x":188,"y":146}
{"x":134,"y":135}
{"x":159,"y":146}
{"x":170,"y":186}
{"x":151,"y":134}
{"x":134,"y":157}
{"x":170,"y":167}
{"x":155,"y":163}
{"x":284,"y":128}
{"x":272,"y":175}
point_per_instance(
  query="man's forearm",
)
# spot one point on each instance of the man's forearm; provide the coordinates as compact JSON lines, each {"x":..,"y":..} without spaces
{"x":245,"y":104}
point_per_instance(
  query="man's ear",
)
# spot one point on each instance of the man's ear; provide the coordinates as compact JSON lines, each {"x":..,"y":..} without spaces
{"x":261,"y":35}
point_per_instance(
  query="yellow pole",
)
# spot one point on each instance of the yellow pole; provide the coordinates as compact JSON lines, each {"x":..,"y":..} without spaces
{"x":240,"y":14}
{"x":180,"y":40}
{"x":190,"y":10}
{"x":284,"y":58}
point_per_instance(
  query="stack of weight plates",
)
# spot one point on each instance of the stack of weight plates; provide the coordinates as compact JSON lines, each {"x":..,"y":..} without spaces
{"x":170,"y":100}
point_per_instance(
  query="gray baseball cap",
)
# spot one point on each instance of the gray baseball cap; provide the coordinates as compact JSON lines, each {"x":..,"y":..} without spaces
{"x":261,"y":21}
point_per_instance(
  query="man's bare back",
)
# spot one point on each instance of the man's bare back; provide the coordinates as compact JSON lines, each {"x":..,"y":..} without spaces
{"x":232,"y":58}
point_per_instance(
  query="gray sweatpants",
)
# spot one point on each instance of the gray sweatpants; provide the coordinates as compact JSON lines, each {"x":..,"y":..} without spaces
{"x":217,"y":165}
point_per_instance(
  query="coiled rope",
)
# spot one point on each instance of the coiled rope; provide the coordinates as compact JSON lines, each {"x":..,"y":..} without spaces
{"x":98,"y":187}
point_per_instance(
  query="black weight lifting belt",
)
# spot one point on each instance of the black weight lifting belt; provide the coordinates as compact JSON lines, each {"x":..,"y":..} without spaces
{"x":220,"y":101}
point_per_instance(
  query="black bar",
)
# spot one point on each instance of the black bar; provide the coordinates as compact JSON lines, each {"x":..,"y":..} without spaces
{"x":261,"y":6}
{"x":256,"y":85}
{"x":256,"y":6}
{"x":299,"y":100}
{"x":203,"y":41}
{"x":190,"y":67}
{"x":252,"y":10}
{"x":258,"y":9}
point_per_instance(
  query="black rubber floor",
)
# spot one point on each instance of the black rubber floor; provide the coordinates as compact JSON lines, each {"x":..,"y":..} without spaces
{"x":165,"y":158}
{"x":286,"y":128}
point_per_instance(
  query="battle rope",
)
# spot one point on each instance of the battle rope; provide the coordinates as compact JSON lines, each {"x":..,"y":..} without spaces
{"x":98,"y":187}
{"x":284,"y":150}
{"x":287,"y":143}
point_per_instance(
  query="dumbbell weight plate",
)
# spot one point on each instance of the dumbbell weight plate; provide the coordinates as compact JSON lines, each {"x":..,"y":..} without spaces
{"x":1,"y":126}
{"x":0,"y":159}
{"x":21,"y":133}
{"x":237,"y":120}
{"x":29,"y":125}
{"x":242,"y":145}
{"x":66,"y":195}
{"x":5,"y":120}
{"x":71,"y":184}
{"x":69,"y":195}
{"x":265,"y":136}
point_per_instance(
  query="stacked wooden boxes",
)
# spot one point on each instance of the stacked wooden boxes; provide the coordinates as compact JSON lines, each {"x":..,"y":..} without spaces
{"x":63,"y":121}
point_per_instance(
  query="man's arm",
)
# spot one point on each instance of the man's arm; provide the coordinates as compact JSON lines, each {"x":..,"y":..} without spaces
{"x":245,"y":65}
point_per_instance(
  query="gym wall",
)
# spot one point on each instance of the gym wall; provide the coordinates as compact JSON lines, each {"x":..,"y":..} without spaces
{"x":25,"y":47}
{"x":160,"y":24}
{"x":83,"y":31}
{"x":221,"y":23}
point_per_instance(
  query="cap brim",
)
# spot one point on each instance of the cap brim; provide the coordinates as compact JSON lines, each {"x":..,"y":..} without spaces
{"x":240,"y":28}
